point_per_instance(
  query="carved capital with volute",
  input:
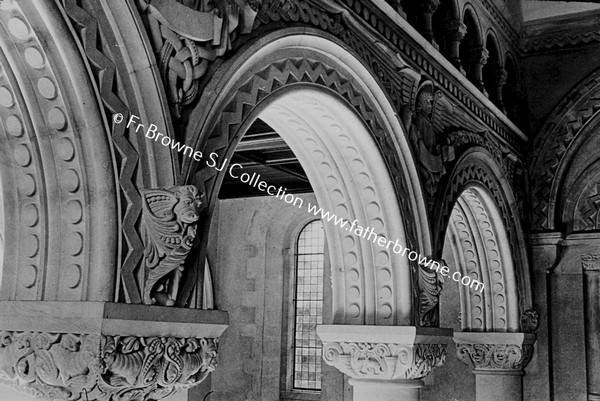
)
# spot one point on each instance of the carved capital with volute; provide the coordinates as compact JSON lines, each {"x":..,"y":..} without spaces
{"x":384,"y":352}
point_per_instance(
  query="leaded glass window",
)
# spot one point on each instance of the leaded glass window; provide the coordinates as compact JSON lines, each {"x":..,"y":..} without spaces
{"x":308,"y":307}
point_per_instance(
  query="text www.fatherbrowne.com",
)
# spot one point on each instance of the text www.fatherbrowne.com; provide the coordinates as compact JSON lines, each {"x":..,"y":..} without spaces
{"x":235,"y":171}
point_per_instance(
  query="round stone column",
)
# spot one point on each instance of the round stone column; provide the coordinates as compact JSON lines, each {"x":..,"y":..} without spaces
{"x":385,"y":363}
{"x":498,"y":360}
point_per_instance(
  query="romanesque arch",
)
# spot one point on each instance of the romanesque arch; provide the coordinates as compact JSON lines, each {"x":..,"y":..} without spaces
{"x":272,"y":79}
{"x":564,"y":216}
{"x":73,"y":177}
{"x":483,"y":240}
{"x":566,"y":138}
{"x":478,"y":182}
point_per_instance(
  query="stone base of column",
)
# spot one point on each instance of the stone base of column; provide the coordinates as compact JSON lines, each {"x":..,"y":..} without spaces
{"x":386,"y":390}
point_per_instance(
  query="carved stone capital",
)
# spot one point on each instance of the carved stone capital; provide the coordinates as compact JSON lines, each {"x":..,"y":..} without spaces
{"x":488,"y":352}
{"x":429,"y":6}
{"x":383,"y":352}
{"x":590,"y":261}
{"x":479,"y":55}
{"x":105,"y":351}
{"x":456,"y":29}
{"x":68,"y":366}
{"x":384,"y":361}
{"x":500,"y":76}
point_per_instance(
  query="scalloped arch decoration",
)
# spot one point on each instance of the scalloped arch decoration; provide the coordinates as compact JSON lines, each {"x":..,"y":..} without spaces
{"x":477,"y":169}
{"x":277,"y":67}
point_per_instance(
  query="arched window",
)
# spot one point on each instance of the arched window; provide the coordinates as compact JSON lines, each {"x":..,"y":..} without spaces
{"x":309,"y":259}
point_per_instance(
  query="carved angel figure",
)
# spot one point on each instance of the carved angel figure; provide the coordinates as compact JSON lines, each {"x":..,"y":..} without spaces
{"x":432,"y":115}
{"x":169,"y":226}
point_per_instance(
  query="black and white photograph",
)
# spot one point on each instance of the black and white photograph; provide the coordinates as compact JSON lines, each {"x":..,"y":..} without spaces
{"x":299,"y":200}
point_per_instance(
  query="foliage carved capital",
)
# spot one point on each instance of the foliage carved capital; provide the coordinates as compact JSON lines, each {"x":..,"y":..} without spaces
{"x":504,"y":352}
{"x":104,"y":368}
{"x":385,"y":361}
{"x":495,"y":356}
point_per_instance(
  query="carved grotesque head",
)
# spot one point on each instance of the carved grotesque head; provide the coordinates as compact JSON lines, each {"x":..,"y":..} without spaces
{"x":187,"y":208}
{"x":425,"y":101}
{"x":529,"y":321}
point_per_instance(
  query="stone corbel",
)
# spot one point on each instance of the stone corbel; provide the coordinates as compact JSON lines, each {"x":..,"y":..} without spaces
{"x":169,"y":220}
{"x":105,"y":352}
{"x":380,"y":358}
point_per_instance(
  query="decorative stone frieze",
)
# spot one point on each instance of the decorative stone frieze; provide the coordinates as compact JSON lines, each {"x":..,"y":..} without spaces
{"x":71,"y":366}
{"x":105,"y":351}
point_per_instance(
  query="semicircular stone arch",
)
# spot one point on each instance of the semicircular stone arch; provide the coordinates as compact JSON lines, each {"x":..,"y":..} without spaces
{"x":478,"y":193}
{"x":277,"y":81}
{"x":58,"y":182}
{"x":564,"y":155}
{"x":480,"y":251}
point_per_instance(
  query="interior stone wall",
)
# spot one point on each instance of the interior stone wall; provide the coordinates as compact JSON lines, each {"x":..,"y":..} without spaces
{"x":550,"y":76}
{"x":247,"y":251}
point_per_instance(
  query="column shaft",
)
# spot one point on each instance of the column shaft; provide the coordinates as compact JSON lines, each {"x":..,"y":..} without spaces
{"x":494,"y":386}
{"x":384,"y":390}
{"x":591,"y":289}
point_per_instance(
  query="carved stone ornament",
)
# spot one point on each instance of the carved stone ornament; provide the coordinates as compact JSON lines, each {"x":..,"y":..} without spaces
{"x":76,"y":367}
{"x":169,"y":227}
{"x":430,"y":288}
{"x":425,"y":134}
{"x":530,"y":321}
{"x":590,"y":261}
{"x":362,"y":360}
{"x":495,"y":356}
{"x":187,"y":39}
